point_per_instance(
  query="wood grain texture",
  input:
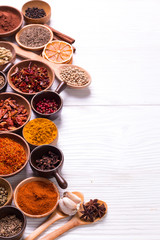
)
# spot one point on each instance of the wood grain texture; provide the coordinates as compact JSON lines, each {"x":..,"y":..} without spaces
{"x":109,"y":132}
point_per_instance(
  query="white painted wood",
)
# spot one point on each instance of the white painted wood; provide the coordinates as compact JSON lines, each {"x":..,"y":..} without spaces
{"x":109,"y":132}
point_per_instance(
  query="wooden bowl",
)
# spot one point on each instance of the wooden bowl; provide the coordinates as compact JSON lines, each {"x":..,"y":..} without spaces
{"x":21,"y":101}
{"x":7,"y":45}
{"x":21,"y":141}
{"x":30,"y":26}
{"x":18,"y":13}
{"x":10,"y":210}
{"x":39,"y":4}
{"x":33,"y":179}
{"x":32,"y":146}
{"x":4,"y":183}
{"x":25,"y":63}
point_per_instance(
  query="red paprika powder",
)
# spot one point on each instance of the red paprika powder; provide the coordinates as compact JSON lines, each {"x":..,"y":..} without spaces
{"x":8,"y":21}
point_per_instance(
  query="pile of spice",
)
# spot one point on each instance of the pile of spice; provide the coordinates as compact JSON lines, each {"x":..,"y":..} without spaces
{"x":74,"y":76}
{"x":48,"y":161}
{"x":30,"y":79}
{"x":2,"y":81}
{"x":93,"y":210}
{"x":3,"y":196}
{"x":37,"y":197}
{"x":8,"y":21}
{"x":35,"y":36}
{"x":10,"y":225}
{"x":12,"y":115}
{"x":40,"y":131}
{"x":12,"y":156}
{"x":35,"y":12}
{"x":5,"y":55}
{"x":47,"y":106}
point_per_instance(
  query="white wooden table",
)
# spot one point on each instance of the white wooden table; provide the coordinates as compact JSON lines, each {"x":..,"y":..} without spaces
{"x":109,"y":132}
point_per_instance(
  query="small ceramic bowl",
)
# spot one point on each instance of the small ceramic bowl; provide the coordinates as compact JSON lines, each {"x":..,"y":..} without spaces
{"x":20,"y":16}
{"x":37,"y":153}
{"x":7,"y":45}
{"x":21,"y":141}
{"x":31,"y":26}
{"x":21,"y":101}
{"x":51,"y":96}
{"x":33,"y":179}
{"x":25,"y":63}
{"x":10,"y":210}
{"x":37,"y":4}
{"x":5,"y":184}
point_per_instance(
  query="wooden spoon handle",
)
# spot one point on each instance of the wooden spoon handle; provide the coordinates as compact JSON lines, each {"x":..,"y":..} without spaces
{"x":53,"y":235}
{"x":30,"y":55}
{"x":44,"y":226}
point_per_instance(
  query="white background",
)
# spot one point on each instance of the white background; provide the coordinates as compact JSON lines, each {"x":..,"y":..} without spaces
{"x":109,"y":132}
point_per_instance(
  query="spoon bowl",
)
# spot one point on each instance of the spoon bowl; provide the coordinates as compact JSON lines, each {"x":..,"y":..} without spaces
{"x":79,"y":214}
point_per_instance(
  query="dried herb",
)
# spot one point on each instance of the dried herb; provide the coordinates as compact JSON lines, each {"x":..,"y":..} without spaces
{"x":48,"y":161}
{"x":10,"y":225}
{"x":46,"y":106}
{"x":12,"y":156}
{"x":30,"y":79}
{"x":35,"y":36}
{"x":12,"y":115}
{"x":93,"y":210}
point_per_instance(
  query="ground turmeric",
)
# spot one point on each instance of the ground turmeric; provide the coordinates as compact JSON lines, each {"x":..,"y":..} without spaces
{"x":40,"y":131}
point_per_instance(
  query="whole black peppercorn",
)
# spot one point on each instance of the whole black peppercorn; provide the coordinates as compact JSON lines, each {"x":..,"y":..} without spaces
{"x":35,"y":12}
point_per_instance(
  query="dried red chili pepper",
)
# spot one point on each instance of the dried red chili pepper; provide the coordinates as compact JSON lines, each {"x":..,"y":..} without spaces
{"x":12,"y":115}
{"x":46,"y":106}
{"x":30,"y":79}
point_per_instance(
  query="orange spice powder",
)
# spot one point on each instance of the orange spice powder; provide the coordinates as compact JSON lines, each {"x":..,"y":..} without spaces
{"x":37,"y":197}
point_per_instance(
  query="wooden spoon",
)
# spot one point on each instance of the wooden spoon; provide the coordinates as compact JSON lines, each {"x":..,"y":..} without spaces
{"x":74,"y":222}
{"x":55,"y":216}
{"x":56,"y":67}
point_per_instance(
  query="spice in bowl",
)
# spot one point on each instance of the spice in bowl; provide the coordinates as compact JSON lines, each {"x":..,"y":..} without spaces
{"x":37,"y":197}
{"x":10,"y":226}
{"x":12,"y":114}
{"x":74,"y":76}
{"x":35,"y":36}
{"x":30,"y":79}
{"x":8,"y":21}
{"x":93,"y":210}
{"x":2,"y":81}
{"x":5,"y":55}
{"x":35,"y":12}
{"x":47,"y":106}
{"x":48,"y":161}
{"x":40,"y":131}
{"x":12,"y":156}
{"x":3,"y":196}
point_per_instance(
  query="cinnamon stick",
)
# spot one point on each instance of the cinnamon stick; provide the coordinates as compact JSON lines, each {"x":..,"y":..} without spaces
{"x":61,"y":35}
{"x":58,"y":38}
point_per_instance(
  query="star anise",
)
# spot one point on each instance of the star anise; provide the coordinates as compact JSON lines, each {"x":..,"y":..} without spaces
{"x":92,"y":210}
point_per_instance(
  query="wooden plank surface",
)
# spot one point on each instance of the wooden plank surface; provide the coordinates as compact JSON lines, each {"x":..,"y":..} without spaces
{"x":109,"y":132}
